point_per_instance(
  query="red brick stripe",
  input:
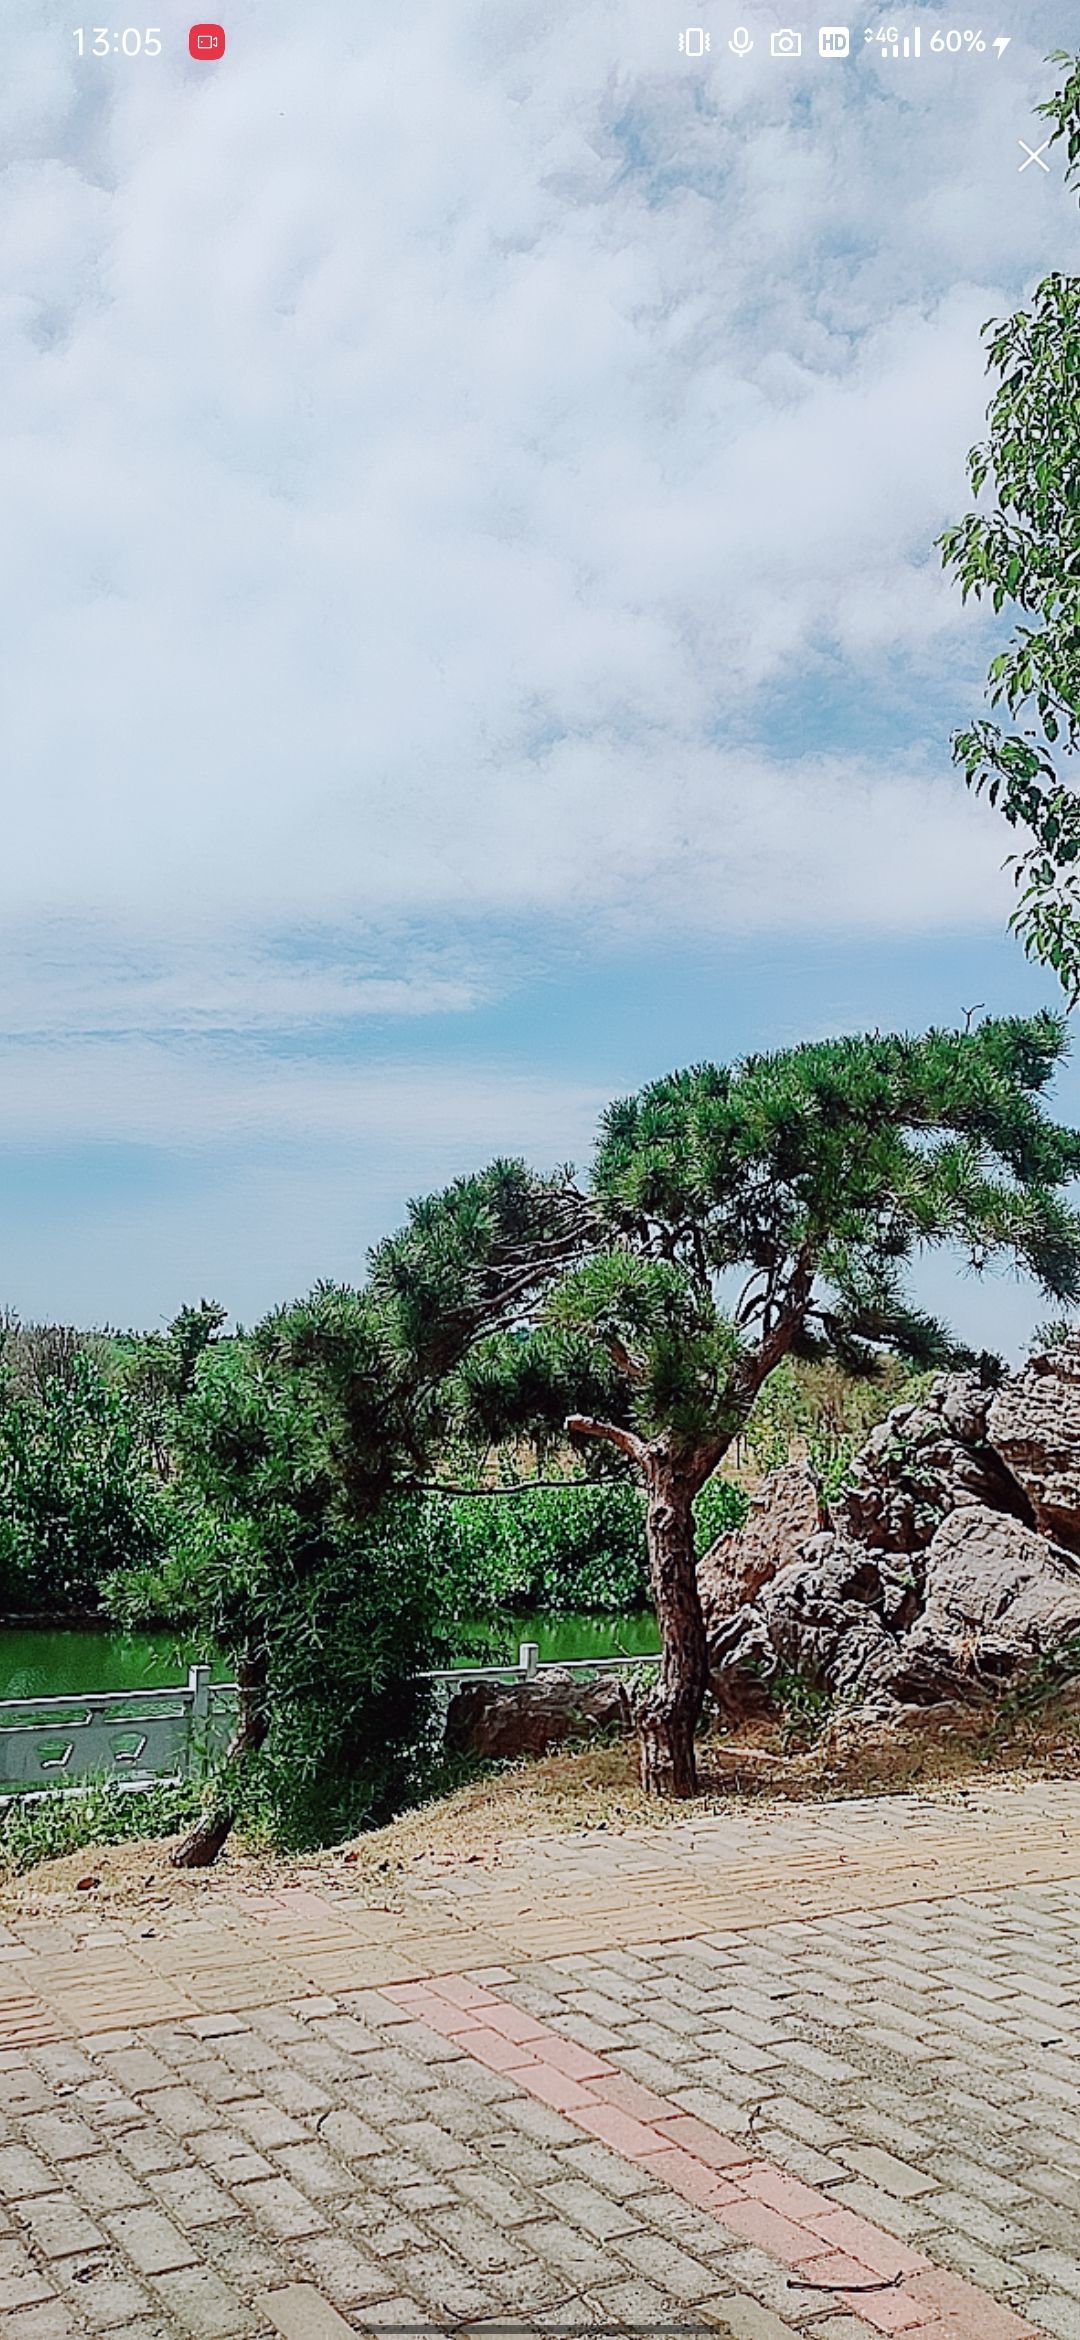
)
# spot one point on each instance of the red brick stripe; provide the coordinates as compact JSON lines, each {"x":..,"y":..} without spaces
{"x":753,"y":2198}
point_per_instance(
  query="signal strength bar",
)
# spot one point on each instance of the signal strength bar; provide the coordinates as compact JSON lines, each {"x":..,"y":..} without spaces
{"x":909,"y":46}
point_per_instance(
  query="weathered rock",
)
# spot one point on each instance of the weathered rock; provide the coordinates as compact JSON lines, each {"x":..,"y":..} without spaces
{"x":742,"y":1663}
{"x":1034,"y":1422}
{"x":500,"y":1719}
{"x":784,"y":1513}
{"x":923,"y":1462}
{"x":998,"y":1595}
{"x":824,"y":1617}
{"x":953,"y":1565}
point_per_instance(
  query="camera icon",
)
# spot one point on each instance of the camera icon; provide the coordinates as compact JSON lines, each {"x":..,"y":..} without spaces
{"x":786,"y":43}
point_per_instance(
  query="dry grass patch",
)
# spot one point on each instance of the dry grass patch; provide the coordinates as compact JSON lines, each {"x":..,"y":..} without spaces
{"x":592,"y":1789}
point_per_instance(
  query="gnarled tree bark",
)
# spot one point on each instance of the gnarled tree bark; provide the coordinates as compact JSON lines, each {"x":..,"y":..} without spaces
{"x":668,"y":1718}
{"x":200,"y":1848}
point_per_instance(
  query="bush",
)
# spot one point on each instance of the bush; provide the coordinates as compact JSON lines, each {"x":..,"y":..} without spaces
{"x":326,"y":1615}
{"x":573,"y":1549}
{"x":350,"y":1724}
{"x":719,"y":1508}
{"x":61,"y":1820}
{"x":76,"y":1498}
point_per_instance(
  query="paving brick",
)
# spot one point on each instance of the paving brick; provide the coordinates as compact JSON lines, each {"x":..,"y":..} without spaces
{"x":887,"y":2171}
{"x":296,"y":2311}
{"x":1058,"y":2270}
{"x":754,"y":2222}
{"x":683,"y":2174}
{"x":575,"y":2255}
{"x":803,"y":2161}
{"x":58,"y":2226}
{"x":101,"y":2292}
{"x":746,"y":2319}
{"x":1054,"y":2312}
{"x":60,"y":2136}
{"x":962,"y":2214}
{"x":151,"y":2241}
{"x":242,"y":2257}
{"x":539,"y":2121}
{"x":1002,"y":2278}
{"x":281,"y":2208}
{"x":629,"y":2304}
{"x":23,"y":2173}
{"x":178,"y":2109}
{"x":706,"y":2143}
{"x":22,"y":2281}
{"x":584,"y":2205}
{"x":973,"y":2315}
{"x":294,"y":2093}
{"x":148,"y":2149}
{"x":200,"y":2303}
{"x":473,"y":2238}
{"x":910,"y":2220}
{"x":193,"y":2199}
{"x":229,"y":2156}
{"x":137,"y":2068}
{"x":672,"y":2270}
{"x":52,"y":2320}
{"x":434,"y":2276}
{"x":621,"y":2131}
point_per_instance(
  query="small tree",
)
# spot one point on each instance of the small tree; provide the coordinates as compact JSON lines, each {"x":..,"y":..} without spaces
{"x":810,"y":1179}
{"x":298,"y":1452}
{"x":310,"y":1594}
{"x":1023,"y":552}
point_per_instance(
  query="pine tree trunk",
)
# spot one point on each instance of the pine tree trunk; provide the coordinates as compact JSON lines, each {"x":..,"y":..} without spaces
{"x":668,"y":1718}
{"x":199,"y":1849}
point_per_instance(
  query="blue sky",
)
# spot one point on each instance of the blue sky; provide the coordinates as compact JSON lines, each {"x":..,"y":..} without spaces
{"x":472,"y":638}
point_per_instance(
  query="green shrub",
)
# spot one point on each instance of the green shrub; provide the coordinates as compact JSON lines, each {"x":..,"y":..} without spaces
{"x":61,"y":1820}
{"x":574,"y":1549}
{"x":719,"y":1508}
{"x":76,"y":1498}
{"x":330,"y":1614}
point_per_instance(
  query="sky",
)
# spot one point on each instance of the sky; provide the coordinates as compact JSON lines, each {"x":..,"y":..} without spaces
{"x":472,"y":638}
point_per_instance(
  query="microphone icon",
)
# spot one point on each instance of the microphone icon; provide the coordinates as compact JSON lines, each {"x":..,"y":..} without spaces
{"x":741,"y":41}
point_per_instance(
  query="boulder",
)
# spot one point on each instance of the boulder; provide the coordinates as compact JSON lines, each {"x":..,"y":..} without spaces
{"x":1034,"y":1423}
{"x":742,"y":1663}
{"x":784,"y":1513}
{"x":501,"y":1719}
{"x":998,"y":1596}
{"x":953,"y":1561}
{"x":925,"y":1461}
{"x":825,"y":1618}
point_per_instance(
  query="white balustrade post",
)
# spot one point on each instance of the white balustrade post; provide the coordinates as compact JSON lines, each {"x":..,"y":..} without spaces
{"x":528,"y":1659}
{"x":198,"y":1683}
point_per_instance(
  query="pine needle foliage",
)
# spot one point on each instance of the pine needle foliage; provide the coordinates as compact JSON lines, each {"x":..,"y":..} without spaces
{"x":735,"y":1215}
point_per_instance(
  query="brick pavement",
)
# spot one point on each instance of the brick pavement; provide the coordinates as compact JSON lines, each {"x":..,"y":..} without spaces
{"x":853,"y":2114}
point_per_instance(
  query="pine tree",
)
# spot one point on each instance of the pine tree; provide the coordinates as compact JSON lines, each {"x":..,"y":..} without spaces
{"x":734,"y":1216}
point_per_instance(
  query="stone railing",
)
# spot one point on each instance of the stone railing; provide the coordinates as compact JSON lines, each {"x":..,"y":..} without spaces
{"x":133,"y":1736}
{"x":529,"y":1664}
{"x":138,"y":1736}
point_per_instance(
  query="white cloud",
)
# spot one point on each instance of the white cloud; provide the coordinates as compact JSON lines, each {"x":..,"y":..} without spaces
{"x":425,"y":440}
{"x":435,"y":446}
{"x":186,"y":1097}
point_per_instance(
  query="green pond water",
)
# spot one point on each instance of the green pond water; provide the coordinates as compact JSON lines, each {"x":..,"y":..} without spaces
{"x":38,"y":1662}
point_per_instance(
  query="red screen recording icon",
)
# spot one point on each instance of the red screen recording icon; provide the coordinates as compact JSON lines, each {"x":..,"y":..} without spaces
{"x":206,"y":41}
